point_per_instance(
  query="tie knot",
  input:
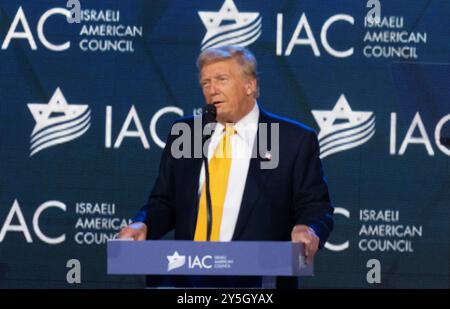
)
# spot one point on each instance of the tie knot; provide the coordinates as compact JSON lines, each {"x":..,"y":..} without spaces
{"x":229,"y":129}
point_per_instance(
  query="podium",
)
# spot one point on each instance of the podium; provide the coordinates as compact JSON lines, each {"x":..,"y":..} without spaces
{"x":208,"y":260}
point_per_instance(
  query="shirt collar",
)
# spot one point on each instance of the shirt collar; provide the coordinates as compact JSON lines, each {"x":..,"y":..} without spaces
{"x":245,"y":126}
{"x":248,"y":121}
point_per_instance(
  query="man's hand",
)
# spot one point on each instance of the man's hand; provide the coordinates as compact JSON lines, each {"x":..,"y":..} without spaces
{"x":307,"y":236}
{"x":136,"y":231}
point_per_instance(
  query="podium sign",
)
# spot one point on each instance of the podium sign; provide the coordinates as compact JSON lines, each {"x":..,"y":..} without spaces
{"x":236,"y":258}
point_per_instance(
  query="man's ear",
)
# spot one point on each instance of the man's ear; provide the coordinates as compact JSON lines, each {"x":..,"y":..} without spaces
{"x":250,"y":86}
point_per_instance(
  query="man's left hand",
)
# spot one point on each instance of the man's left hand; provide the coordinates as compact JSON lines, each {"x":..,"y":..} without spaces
{"x":307,"y":236}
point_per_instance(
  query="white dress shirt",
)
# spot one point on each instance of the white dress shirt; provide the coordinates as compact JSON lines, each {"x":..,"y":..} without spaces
{"x":241,"y":147}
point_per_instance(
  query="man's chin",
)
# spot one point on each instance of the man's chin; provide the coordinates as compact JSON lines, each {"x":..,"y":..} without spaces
{"x":222,"y":118}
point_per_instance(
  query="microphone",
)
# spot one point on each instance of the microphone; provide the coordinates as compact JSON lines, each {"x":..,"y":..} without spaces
{"x":209,"y":115}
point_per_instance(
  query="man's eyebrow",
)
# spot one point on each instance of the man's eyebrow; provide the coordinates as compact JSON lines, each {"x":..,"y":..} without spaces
{"x":207,"y":79}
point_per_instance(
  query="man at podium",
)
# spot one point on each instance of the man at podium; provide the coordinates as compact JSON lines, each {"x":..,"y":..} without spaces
{"x":279,"y":194}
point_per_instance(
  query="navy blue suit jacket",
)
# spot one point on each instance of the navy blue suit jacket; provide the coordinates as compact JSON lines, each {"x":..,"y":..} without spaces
{"x":274,"y":200}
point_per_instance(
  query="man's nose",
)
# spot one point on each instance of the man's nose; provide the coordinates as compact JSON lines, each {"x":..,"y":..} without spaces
{"x":213,"y":89}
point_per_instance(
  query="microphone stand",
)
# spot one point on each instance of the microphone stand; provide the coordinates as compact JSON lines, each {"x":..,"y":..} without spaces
{"x":208,"y":200}
{"x":209,"y":116}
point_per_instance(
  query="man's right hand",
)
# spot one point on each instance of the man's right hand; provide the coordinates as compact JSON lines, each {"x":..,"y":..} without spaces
{"x":136,"y":231}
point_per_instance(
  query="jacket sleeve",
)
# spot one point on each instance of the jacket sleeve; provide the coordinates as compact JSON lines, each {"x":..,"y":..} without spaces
{"x":312,"y":204}
{"x":159,"y":211}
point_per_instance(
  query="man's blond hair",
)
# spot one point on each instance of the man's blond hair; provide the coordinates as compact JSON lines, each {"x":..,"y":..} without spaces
{"x":243,"y":56}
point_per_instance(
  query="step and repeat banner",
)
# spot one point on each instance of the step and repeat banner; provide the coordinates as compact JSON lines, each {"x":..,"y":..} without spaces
{"x":85,"y":108}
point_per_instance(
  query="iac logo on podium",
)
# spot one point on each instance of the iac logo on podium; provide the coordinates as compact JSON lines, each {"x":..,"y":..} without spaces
{"x":176,"y":261}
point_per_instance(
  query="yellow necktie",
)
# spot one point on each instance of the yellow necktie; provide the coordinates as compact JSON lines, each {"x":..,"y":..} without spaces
{"x":219,"y":169}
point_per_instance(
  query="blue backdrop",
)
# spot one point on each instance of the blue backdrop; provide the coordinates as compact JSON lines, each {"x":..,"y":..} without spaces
{"x":85,"y":109}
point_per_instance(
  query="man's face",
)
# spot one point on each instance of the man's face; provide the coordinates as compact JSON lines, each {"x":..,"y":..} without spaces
{"x":225,"y":85}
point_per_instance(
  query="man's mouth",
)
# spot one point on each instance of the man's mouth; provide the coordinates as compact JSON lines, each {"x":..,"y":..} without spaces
{"x":216,"y":102}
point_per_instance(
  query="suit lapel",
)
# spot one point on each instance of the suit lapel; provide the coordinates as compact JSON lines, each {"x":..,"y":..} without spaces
{"x":255,"y":179}
{"x":191,"y":190}
{"x":191,"y":171}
